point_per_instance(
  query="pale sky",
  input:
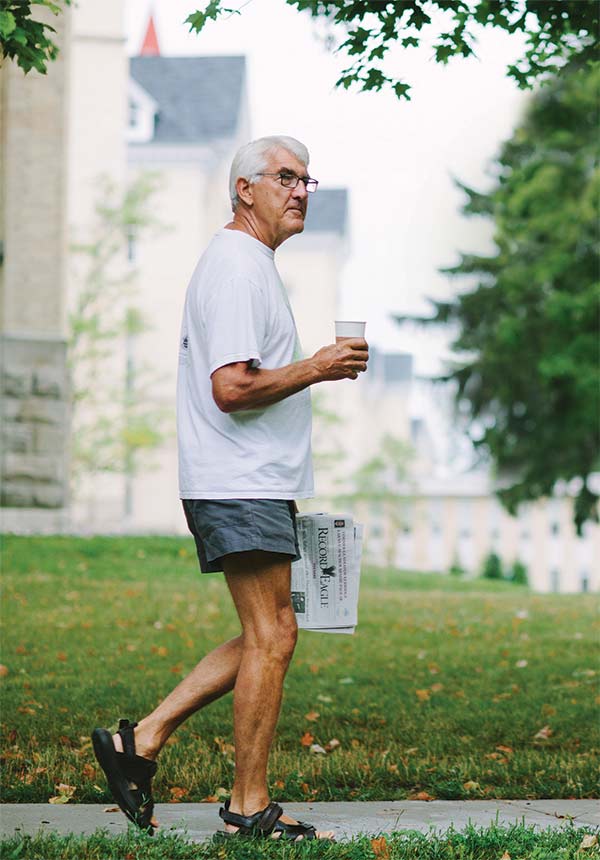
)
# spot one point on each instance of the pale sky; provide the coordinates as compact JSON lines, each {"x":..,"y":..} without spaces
{"x":397,"y":158}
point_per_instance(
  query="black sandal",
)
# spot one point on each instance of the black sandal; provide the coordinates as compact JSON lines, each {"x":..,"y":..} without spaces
{"x":264,"y":823}
{"x":129,"y":776}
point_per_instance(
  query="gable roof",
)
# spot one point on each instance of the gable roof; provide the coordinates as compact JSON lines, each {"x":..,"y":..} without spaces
{"x":327,"y":211}
{"x":198,"y":98}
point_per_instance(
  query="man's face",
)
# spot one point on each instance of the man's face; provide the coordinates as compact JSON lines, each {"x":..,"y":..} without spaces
{"x":281,"y":211}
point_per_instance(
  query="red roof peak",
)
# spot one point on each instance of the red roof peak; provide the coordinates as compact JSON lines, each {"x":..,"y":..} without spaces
{"x":150,"y":46}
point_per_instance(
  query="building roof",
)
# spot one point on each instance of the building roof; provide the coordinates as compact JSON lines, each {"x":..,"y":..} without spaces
{"x":199,"y":98}
{"x":327,"y":211}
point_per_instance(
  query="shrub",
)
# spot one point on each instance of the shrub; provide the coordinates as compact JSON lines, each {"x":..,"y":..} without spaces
{"x":456,"y":569}
{"x":492,"y":567}
{"x":518,"y":573}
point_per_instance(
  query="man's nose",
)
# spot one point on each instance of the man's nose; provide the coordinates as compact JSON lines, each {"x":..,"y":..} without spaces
{"x":300,"y":192}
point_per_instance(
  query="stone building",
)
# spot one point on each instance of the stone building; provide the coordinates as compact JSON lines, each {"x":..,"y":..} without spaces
{"x":34,"y":393}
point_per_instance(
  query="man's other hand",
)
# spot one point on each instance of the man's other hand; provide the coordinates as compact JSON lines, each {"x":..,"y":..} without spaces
{"x":343,"y":360}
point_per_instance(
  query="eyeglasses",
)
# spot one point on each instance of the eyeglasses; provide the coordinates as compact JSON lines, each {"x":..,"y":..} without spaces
{"x":290,"y":180}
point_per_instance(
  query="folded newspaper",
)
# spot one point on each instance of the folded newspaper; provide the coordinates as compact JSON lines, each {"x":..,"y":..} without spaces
{"x":325,"y":580}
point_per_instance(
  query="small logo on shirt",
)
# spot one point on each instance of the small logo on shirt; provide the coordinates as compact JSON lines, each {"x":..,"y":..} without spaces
{"x":185,"y":342}
{"x":339,"y":524}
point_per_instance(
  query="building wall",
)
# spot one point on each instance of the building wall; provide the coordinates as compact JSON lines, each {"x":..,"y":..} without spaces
{"x":33,"y":190}
{"x":467,"y":528}
{"x":34,"y":392}
{"x":96,"y":162}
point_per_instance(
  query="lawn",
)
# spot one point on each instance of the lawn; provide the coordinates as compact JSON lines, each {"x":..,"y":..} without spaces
{"x":448,"y":689}
{"x":490,"y":843}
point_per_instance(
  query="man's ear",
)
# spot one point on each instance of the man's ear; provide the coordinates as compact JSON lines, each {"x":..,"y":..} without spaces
{"x":244,"y":190}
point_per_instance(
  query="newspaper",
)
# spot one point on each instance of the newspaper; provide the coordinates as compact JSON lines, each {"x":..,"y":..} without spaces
{"x":326,"y":579}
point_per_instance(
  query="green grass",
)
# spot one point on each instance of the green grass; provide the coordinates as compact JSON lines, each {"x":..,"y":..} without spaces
{"x":426,"y":697}
{"x":520,"y":843}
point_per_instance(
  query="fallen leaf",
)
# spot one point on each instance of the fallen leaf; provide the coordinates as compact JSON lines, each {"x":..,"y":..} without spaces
{"x":306,"y":739}
{"x":312,"y":716}
{"x":434,"y":669}
{"x":223,"y":747}
{"x":392,"y":768}
{"x":3,"y":671}
{"x":317,"y":749}
{"x":423,"y":795}
{"x":61,"y":656}
{"x":588,"y":841}
{"x":548,"y":710}
{"x":111,"y":809}
{"x":326,"y":699}
{"x":305,"y":787}
{"x":211,"y":798}
{"x":411,"y":750}
{"x":520,"y":664}
{"x":423,"y":695}
{"x":313,"y":668}
{"x":332,"y":745}
{"x":279,"y":783}
{"x":381,"y":849}
{"x":177,"y":793}
{"x":26,"y":710}
{"x":65,"y":793}
{"x":470,"y":785}
{"x":506,"y":856}
{"x":59,"y":798}
{"x":177,"y":669}
{"x":544,"y":733}
{"x":89,"y":771}
{"x":435,"y":688}
{"x":355,"y":742}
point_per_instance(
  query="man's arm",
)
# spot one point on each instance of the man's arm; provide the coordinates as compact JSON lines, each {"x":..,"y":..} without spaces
{"x":237,"y":386}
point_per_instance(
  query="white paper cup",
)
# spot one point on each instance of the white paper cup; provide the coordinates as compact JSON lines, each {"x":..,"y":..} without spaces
{"x":349,"y":328}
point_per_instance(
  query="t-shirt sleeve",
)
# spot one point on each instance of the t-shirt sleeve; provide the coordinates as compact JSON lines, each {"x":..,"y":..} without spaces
{"x":234,"y":320}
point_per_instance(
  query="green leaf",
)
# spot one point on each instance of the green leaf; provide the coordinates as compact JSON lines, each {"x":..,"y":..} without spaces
{"x":7,"y":23}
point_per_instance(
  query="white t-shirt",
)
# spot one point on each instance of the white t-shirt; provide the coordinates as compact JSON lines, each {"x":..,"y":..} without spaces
{"x":236,"y":309}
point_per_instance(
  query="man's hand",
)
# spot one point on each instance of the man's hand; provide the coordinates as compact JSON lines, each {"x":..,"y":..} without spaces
{"x":343,"y":360}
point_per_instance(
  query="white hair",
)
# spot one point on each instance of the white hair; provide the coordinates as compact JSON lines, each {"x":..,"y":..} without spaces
{"x":251,"y":160}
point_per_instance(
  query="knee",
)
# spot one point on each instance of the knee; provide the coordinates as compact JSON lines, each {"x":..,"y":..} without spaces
{"x":277,"y":640}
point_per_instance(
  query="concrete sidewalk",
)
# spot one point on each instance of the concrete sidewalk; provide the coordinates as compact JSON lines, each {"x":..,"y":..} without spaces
{"x":198,"y":821}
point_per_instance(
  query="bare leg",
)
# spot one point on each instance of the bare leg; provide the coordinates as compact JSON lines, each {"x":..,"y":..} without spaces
{"x":210,"y":679}
{"x":260,"y":586}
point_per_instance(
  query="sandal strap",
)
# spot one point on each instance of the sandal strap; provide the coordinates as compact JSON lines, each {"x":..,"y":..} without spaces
{"x":292,"y":831}
{"x":264,"y":820}
{"x":126,"y":731}
{"x":138,"y":769}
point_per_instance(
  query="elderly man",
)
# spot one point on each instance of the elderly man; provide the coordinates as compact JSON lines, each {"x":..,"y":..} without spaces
{"x":244,"y":426}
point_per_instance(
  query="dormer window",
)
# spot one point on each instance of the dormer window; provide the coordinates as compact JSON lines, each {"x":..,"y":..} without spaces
{"x":141,"y":113}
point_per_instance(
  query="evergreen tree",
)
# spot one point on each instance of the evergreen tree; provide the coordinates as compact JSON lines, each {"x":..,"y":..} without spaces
{"x":530,"y":327}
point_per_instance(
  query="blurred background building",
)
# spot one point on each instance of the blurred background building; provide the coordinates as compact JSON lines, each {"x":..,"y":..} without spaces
{"x":387,"y":446}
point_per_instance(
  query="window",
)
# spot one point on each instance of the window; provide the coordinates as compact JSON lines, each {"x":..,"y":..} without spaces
{"x":585,"y":583}
{"x":555,"y":579}
{"x":134,"y":113}
{"x":555,"y":528}
{"x":131,"y":245}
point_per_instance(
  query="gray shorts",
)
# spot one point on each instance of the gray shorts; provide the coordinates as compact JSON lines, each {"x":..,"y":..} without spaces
{"x":223,"y":526}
